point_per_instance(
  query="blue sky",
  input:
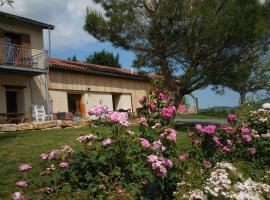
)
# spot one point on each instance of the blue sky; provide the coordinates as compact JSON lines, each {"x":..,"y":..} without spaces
{"x":207,"y":98}
{"x":70,"y":39}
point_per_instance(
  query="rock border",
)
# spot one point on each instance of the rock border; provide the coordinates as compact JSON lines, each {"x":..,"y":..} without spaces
{"x":5,"y":128}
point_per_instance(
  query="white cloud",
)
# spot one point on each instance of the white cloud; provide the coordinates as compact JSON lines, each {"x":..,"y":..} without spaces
{"x":66,"y":15}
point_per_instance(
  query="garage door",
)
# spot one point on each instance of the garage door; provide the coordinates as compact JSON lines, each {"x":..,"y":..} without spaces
{"x":123,"y":101}
{"x":97,"y":98}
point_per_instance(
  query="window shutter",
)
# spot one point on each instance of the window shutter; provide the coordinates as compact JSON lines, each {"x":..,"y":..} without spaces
{"x":25,"y":40}
{"x":24,"y":54}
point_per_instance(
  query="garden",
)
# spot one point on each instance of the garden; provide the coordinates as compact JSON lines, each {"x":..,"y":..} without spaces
{"x":111,"y":160}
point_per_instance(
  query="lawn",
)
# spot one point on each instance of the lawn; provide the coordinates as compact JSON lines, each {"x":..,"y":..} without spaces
{"x":26,"y":147}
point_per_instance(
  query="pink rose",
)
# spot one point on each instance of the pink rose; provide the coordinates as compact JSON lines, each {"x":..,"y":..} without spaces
{"x":25,"y":167}
{"x":182,"y":157}
{"x":142,"y":99}
{"x":118,"y":117}
{"x":144,"y":143}
{"x":44,"y":156}
{"x":53,"y":155}
{"x":152,"y":158}
{"x":86,"y":138}
{"x":67,"y":149}
{"x":247,"y":138}
{"x":161,"y":171}
{"x":163,"y":148}
{"x":228,"y":129}
{"x":169,"y":134}
{"x":229,"y":142}
{"x":252,"y":150}
{"x":119,"y":190}
{"x":167,"y":163}
{"x":226,"y":149}
{"x":22,"y":184}
{"x":143,"y":121}
{"x":106,"y":142}
{"x":210,"y":129}
{"x":156,"y":145}
{"x":63,"y":165}
{"x":152,"y":106}
{"x":198,"y":127}
{"x":182,"y":108}
{"x":231,"y":117}
{"x":217,"y":141}
{"x":163,"y":96}
{"x":17,"y":196}
{"x":197,"y":142}
{"x":244,"y":130}
{"x":168,"y":112}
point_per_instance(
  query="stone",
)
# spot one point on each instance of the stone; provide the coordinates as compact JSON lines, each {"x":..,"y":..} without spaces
{"x":44,"y":125}
{"x":84,"y":122}
{"x":66,"y":123}
{"x":25,"y":127}
{"x":8,"y":127}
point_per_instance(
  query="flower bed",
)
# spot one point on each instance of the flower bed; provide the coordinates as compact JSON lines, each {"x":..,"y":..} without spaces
{"x":225,"y":162}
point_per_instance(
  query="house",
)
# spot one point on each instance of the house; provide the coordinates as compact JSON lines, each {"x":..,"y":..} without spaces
{"x":28,"y":77}
{"x":23,"y":64}
{"x":76,"y":87}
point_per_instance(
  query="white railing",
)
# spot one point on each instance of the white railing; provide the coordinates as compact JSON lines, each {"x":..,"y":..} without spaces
{"x":20,"y":56}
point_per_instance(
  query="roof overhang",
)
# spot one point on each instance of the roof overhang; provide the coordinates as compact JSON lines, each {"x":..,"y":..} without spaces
{"x":26,"y":20}
{"x":98,"y":72}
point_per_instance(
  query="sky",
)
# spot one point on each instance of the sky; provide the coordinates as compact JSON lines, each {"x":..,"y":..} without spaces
{"x":68,"y":38}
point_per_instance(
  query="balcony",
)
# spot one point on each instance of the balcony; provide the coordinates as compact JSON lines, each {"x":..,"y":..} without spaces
{"x":23,"y":60}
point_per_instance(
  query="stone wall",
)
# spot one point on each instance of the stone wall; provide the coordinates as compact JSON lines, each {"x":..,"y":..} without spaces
{"x":43,"y":125}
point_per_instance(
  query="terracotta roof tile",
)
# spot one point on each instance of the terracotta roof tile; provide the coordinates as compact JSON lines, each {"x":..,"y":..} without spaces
{"x":95,"y":69}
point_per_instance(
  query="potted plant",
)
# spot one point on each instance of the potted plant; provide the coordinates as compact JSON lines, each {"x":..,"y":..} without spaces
{"x":77,"y":117}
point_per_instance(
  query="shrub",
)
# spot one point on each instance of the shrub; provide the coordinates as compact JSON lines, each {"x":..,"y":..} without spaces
{"x":157,"y":107}
{"x":224,"y":182}
{"x":259,"y":120}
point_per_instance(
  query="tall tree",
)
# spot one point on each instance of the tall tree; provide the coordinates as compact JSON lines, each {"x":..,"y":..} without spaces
{"x":104,"y":58}
{"x":74,"y":58}
{"x":250,"y":77}
{"x":191,"y":42}
{"x":8,"y":2}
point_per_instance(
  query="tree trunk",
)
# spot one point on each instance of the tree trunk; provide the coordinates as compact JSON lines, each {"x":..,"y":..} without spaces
{"x":242,"y":97}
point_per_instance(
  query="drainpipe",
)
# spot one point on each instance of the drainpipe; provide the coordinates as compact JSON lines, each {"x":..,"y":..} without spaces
{"x":47,"y":76}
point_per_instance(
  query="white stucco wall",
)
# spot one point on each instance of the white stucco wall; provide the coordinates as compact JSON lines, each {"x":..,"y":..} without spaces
{"x":59,"y":101}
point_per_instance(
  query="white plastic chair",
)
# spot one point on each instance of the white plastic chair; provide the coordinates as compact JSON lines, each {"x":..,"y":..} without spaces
{"x":38,"y":113}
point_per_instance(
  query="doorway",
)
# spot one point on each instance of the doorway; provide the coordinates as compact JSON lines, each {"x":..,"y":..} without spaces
{"x":11,"y":99}
{"x":75,"y":104}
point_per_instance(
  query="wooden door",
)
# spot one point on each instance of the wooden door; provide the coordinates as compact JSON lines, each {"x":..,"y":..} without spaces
{"x":24,"y":54}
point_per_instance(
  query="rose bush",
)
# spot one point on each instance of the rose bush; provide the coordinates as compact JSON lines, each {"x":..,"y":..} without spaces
{"x":157,"y":107}
{"x":147,"y":162}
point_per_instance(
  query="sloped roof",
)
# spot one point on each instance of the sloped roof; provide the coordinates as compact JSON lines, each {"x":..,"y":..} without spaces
{"x":27,"y":20}
{"x":65,"y":65}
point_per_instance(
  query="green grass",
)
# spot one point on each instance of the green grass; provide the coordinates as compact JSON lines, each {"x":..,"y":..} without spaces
{"x":26,"y":147}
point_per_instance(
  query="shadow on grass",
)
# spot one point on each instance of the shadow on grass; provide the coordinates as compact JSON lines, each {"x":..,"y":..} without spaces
{"x":8,"y":137}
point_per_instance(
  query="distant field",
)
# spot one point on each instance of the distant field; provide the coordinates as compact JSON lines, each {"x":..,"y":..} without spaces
{"x":200,"y":116}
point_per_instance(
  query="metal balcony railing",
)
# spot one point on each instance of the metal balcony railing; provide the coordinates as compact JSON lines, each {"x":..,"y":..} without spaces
{"x":20,"y":56}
